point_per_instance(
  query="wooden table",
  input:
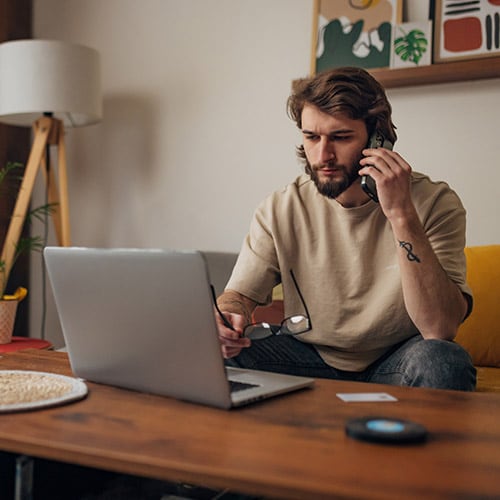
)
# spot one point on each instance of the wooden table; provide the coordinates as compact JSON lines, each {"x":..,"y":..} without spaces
{"x":288,"y":447}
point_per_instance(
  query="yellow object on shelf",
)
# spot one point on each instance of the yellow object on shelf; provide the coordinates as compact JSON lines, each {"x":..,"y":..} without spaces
{"x":18,"y":295}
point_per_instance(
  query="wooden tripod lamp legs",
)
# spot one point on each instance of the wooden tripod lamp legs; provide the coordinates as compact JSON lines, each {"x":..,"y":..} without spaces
{"x":47,"y":130}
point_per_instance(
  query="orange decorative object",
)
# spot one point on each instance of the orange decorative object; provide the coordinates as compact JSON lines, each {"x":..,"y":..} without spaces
{"x":19,"y":343}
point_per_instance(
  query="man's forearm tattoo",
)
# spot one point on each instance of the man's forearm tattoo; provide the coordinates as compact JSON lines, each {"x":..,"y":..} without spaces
{"x":409,"y":251}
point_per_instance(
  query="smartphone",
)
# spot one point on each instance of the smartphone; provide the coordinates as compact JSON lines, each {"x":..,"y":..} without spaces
{"x":377,"y":140}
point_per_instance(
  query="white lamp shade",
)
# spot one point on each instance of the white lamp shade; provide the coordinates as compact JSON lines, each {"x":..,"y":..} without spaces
{"x":38,"y":76}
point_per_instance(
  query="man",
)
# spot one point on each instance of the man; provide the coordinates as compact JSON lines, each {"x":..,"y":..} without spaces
{"x":380,"y":287}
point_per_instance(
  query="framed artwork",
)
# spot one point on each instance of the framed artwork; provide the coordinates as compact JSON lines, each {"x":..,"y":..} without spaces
{"x":412,"y":45}
{"x":353,"y":33}
{"x":466,"y":30}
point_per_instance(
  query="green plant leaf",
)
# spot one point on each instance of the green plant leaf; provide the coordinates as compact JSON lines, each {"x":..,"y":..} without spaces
{"x":6,"y":172}
{"x":27,"y":244}
{"x":10,"y":166}
{"x":41,"y":212}
{"x":411,"y":46}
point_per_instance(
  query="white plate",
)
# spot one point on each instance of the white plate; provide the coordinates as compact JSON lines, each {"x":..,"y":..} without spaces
{"x":29,"y":390}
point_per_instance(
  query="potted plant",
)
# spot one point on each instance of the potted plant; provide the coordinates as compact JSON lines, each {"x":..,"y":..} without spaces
{"x":9,"y":301}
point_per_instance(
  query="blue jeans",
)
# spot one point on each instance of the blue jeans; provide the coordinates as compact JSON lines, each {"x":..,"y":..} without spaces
{"x":439,"y":364}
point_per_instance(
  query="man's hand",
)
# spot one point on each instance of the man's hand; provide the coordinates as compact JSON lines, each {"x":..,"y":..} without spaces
{"x":392,"y":175}
{"x":231,"y":340}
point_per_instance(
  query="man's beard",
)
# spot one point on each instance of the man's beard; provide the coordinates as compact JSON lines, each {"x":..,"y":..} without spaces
{"x":334,"y":188}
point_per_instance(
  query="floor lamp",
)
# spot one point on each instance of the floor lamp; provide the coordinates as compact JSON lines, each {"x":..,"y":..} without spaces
{"x":46,"y":85}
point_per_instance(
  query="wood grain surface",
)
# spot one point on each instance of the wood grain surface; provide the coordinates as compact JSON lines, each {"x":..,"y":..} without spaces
{"x":292,"y":446}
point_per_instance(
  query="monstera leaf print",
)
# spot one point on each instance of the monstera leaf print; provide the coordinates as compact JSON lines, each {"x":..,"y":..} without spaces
{"x":411,"y":46}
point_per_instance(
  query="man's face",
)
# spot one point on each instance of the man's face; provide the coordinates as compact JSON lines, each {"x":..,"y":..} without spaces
{"x":333,"y":146}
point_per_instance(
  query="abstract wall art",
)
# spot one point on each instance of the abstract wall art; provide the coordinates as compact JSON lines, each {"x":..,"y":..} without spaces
{"x":353,"y":33}
{"x":466,"y":30}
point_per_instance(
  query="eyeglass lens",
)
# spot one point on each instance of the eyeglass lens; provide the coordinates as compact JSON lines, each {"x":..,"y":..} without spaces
{"x":289,"y":326}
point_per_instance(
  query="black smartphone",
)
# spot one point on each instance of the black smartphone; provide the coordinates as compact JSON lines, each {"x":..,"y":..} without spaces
{"x":376,"y":140}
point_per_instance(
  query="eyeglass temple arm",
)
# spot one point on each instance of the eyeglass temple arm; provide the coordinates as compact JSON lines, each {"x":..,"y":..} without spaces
{"x":222,"y":317}
{"x":301,"y":296}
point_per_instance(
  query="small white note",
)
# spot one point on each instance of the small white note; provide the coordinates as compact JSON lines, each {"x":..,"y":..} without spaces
{"x":364,"y":397}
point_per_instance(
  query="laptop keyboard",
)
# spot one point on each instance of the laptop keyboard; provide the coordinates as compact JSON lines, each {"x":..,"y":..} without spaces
{"x":240,"y":386}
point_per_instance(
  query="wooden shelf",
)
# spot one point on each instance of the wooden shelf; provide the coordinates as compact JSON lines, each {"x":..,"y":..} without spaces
{"x":456,"y":71}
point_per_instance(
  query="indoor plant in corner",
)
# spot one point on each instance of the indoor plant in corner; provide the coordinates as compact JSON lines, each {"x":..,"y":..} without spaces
{"x":9,"y":302}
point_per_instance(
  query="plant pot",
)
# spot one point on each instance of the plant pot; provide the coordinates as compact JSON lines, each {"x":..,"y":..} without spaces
{"x":8,"y":310}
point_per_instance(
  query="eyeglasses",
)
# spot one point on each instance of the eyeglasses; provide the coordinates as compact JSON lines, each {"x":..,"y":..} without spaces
{"x":293,"y":325}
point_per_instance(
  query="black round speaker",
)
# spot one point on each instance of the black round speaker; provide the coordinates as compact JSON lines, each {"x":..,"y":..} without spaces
{"x":386,"y":430}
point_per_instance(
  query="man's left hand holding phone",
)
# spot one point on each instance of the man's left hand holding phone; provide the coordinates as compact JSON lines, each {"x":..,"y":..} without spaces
{"x":386,"y":177}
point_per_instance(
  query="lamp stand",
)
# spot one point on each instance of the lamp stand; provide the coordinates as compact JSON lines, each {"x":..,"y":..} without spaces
{"x":47,"y":131}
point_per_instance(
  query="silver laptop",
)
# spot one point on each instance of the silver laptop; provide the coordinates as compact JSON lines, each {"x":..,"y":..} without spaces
{"x":144,"y":320}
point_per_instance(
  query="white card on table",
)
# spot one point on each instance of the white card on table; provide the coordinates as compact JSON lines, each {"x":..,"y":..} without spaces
{"x":364,"y":397}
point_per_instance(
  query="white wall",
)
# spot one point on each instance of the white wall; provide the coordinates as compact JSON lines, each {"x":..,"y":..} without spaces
{"x":195,"y":131}
{"x":451,"y":132}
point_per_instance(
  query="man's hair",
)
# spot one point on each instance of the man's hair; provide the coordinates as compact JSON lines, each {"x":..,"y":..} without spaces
{"x":350,"y":91}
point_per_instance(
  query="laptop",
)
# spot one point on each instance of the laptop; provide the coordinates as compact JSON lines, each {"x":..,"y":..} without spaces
{"x":143,"y":319}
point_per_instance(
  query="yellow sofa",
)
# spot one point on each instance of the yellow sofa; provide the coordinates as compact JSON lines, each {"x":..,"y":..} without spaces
{"x":479,"y":334}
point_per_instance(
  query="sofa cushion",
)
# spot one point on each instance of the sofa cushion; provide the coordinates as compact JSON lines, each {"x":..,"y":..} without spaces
{"x":479,"y":333}
{"x":488,"y":379}
{"x":272,"y":313}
